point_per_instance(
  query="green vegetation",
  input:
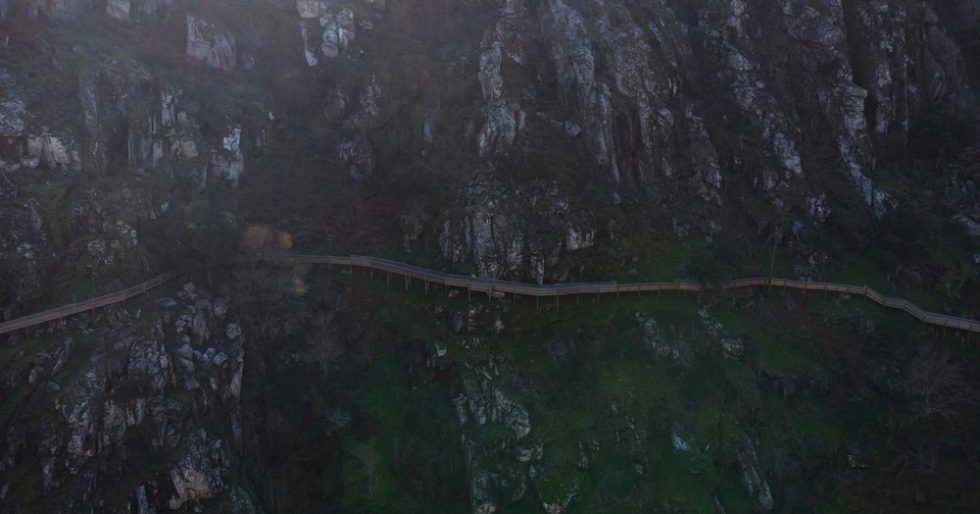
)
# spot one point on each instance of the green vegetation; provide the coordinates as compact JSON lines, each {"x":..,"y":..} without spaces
{"x":623,"y":426}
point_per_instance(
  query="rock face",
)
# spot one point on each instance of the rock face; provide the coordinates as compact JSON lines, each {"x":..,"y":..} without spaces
{"x":544,"y":140}
{"x":25,"y":241}
{"x":211,"y":44}
{"x":675,"y":114}
{"x":328,"y":30}
{"x":200,"y":474}
{"x":60,"y":10}
{"x":126,"y":121}
{"x":228,"y":161}
{"x":487,"y":401}
{"x":513,"y":453}
{"x":121,"y":395}
{"x":642,"y":114}
{"x":136,"y":10}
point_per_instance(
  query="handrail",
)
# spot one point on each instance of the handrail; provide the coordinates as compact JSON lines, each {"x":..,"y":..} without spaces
{"x":492,"y":286}
{"x":85,"y":305}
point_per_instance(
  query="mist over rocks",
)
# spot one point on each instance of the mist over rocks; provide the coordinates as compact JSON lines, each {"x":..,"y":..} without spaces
{"x":534,"y":140}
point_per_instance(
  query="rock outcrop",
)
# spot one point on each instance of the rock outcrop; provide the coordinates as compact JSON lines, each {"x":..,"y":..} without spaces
{"x":207,"y":42}
{"x":126,"y":391}
{"x":548,"y":140}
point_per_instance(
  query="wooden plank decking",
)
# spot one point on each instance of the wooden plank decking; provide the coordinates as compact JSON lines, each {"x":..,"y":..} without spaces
{"x":85,"y":305}
{"x":492,"y":286}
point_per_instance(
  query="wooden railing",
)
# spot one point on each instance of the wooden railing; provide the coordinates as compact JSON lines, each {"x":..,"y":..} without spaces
{"x":492,"y":286}
{"x":83,"y":306}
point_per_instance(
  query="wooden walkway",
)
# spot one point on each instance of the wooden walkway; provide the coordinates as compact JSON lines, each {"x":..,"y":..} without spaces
{"x":490,"y":287}
{"x":83,"y":306}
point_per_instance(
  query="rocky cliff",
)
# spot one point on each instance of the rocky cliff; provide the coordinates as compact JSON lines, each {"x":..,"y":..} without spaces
{"x":541,"y":140}
{"x":126,"y":410}
{"x":786,"y":119}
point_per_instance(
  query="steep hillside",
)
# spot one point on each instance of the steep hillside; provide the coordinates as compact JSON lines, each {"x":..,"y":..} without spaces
{"x":536,"y":140}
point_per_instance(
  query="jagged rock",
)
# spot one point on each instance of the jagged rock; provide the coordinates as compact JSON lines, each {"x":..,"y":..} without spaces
{"x":514,"y":415}
{"x":185,"y":358}
{"x":200,"y":330}
{"x":675,"y":349}
{"x":242,"y":502}
{"x":220,"y":309}
{"x":646,"y":115}
{"x":972,"y":227}
{"x":118,"y":9}
{"x":228,"y":161}
{"x":358,"y":155}
{"x":12,"y":113}
{"x":149,"y":359}
{"x":756,"y":486}
{"x":325,"y":30}
{"x":480,"y":498}
{"x":559,"y":504}
{"x":310,"y":8}
{"x":211,"y":44}
{"x":412,"y":226}
{"x":235,"y":384}
{"x":497,"y":327}
{"x":370,"y":98}
{"x":142,"y":502}
{"x":458,"y":322}
{"x":200,"y":473}
{"x":25,"y":242}
{"x":54,"y":151}
{"x":679,"y":443}
{"x":165,"y":303}
{"x":529,"y":453}
{"x":62,"y":10}
{"x":732,"y":347}
{"x":578,"y":240}
{"x":127,"y":382}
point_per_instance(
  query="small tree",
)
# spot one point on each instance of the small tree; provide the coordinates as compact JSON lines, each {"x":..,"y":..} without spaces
{"x":270,"y":295}
{"x":715,"y":263}
{"x":198,"y":236}
{"x":937,"y":386}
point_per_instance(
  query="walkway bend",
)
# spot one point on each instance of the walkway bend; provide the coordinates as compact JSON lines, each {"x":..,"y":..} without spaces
{"x":492,"y":286}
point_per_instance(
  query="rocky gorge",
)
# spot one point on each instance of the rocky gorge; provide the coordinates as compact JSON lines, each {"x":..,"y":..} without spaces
{"x":537,"y":140}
